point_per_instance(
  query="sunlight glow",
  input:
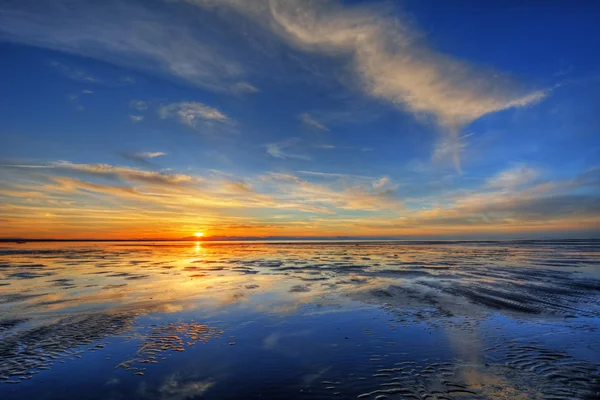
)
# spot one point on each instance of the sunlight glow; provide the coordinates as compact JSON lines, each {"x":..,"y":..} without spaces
{"x":198,"y":234}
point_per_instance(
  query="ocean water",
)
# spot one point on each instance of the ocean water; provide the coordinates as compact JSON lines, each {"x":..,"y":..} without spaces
{"x":300,"y":320}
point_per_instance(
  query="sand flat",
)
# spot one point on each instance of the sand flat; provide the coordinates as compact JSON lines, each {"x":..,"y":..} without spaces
{"x":372,"y":320}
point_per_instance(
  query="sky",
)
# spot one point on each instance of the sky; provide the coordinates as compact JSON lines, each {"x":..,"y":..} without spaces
{"x":280,"y":118}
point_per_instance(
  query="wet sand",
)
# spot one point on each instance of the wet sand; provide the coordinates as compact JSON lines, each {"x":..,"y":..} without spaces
{"x":437,"y":320}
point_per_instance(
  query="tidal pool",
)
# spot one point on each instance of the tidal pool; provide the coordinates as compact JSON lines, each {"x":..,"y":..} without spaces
{"x":345,"y":320}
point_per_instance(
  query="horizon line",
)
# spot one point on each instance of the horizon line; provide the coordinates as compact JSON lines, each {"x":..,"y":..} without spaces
{"x":287,"y":238}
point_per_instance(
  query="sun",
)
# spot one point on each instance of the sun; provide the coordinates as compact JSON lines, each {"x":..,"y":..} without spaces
{"x":198,"y":234}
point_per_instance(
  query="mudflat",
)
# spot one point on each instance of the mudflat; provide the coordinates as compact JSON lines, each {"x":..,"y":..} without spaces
{"x":296,"y":320}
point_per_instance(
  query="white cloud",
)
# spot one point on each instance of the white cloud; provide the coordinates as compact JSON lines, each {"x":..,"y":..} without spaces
{"x":277,"y":150}
{"x":388,"y":57}
{"x":195,"y":115}
{"x":136,"y":118}
{"x":516,"y":177}
{"x":395,"y":65}
{"x":165,"y":38}
{"x":391,"y":61}
{"x":244,"y":87}
{"x":381,"y":183}
{"x":150,"y":154}
{"x":309,"y":121}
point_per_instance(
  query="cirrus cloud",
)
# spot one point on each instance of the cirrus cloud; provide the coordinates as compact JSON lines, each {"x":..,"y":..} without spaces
{"x":195,"y":115}
{"x":391,"y":61}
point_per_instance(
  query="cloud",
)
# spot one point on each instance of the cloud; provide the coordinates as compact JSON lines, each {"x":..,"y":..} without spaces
{"x":75,"y":74}
{"x":195,"y":115}
{"x":124,"y":199}
{"x":395,"y":65}
{"x":150,"y":154}
{"x":388,"y":57}
{"x":144,"y":157}
{"x":348,"y":193}
{"x":243,"y":87}
{"x":173,"y":388}
{"x":381,"y":182}
{"x":138,"y":105}
{"x":391,"y":61}
{"x":277,"y":150}
{"x":311,"y":122}
{"x":333,"y":175}
{"x":514,"y":178}
{"x":123,"y":173}
{"x":166,"y":38}
{"x":189,"y":194}
{"x":512,"y":199}
{"x":74,"y":99}
{"x":81,"y":75}
{"x":535,"y":209}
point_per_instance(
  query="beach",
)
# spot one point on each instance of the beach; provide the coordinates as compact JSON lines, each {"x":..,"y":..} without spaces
{"x":315,"y":320}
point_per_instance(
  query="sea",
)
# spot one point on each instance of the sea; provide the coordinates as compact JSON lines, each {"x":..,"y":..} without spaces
{"x":300,"y":320}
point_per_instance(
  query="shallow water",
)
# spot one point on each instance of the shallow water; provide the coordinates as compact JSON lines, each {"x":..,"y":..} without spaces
{"x":372,"y":320}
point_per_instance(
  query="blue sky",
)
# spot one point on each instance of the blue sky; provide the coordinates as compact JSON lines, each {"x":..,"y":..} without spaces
{"x":299,"y":118}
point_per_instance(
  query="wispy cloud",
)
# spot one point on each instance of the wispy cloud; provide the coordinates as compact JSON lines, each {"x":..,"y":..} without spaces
{"x":77,"y":74}
{"x":138,"y":105}
{"x":312,"y":123}
{"x":345,"y":194}
{"x":381,"y":183}
{"x":164,"y":38}
{"x":174,"y":195}
{"x":82,"y":75}
{"x":123,"y":198}
{"x":512,"y":199}
{"x":388,"y":56}
{"x":334,"y":175}
{"x":391,"y":61}
{"x":75,"y":99}
{"x":195,"y":115}
{"x":273,"y":190}
{"x":243,"y":87}
{"x":514,"y":178}
{"x":397,"y":67}
{"x":143,"y":158}
{"x":125,"y":174}
{"x":150,"y":154}
{"x":277,"y":150}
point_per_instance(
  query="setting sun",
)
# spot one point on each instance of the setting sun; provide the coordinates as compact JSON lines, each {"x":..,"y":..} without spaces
{"x":198,"y":234}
